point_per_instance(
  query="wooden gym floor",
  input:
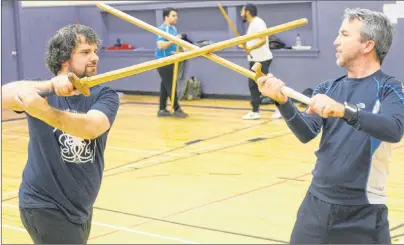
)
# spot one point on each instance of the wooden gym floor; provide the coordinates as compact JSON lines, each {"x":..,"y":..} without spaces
{"x":210,"y":178}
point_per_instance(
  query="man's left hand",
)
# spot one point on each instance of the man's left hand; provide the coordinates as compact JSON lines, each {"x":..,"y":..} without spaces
{"x":246,"y":49}
{"x":32,"y":103}
{"x":325,"y":107}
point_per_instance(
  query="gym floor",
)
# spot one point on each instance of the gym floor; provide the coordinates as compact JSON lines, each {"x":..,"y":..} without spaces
{"x":210,"y":178}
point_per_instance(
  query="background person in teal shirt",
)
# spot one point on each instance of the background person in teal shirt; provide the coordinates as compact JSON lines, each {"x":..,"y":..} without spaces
{"x":166,"y":48}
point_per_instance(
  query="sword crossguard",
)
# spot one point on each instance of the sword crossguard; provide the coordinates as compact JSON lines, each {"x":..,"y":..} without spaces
{"x":257,"y":69}
{"x":77,"y":83}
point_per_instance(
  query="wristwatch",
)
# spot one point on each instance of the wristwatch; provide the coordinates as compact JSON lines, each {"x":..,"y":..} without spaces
{"x":350,"y":111}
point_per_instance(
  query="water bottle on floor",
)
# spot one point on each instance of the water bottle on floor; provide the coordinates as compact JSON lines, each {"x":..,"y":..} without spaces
{"x":298,"y":40}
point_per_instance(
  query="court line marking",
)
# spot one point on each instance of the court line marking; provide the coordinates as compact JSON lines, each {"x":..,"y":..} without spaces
{"x":194,"y":116}
{"x":211,"y":112}
{"x":10,"y":179}
{"x":195,"y":152}
{"x":189,"y":154}
{"x":9,"y":193}
{"x":144,"y":233}
{"x":209,"y":203}
{"x":196,"y":106}
{"x":13,"y":228}
{"x":187,"y":144}
{"x":8,"y":199}
{"x":146,"y":151}
{"x":230,"y":118}
{"x":18,"y":136}
{"x":397,"y":227}
{"x":14,"y":120}
{"x":13,"y":128}
{"x":117,"y":148}
{"x":184,"y":225}
{"x":119,"y":228}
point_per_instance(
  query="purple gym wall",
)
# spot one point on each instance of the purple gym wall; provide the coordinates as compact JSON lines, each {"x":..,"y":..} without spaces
{"x":203,"y":21}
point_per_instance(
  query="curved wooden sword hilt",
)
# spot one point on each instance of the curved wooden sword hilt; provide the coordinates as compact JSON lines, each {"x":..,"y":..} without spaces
{"x":285,"y":90}
{"x":78,"y":83}
{"x":257,"y":69}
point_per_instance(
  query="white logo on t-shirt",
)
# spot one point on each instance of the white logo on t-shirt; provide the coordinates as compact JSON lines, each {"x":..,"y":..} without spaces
{"x":75,"y":149}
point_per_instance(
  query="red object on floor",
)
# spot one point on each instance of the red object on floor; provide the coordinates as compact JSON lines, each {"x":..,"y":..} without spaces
{"x":124,"y":46}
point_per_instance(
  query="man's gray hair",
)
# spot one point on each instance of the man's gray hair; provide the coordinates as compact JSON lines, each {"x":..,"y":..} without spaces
{"x":376,"y":26}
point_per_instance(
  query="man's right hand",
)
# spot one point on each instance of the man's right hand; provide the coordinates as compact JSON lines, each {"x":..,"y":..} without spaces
{"x":63,"y":86}
{"x":271,"y":86}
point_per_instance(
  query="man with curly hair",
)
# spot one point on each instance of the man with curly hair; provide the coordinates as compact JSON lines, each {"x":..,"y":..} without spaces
{"x":67,"y":138}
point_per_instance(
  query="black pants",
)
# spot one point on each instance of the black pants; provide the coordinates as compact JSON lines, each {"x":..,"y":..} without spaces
{"x":51,"y":226}
{"x":255,"y":93}
{"x":319,"y":222}
{"x":166,"y":74}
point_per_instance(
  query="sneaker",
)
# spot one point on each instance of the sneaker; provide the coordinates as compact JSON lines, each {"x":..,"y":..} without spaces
{"x":163,"y":113}
{"x":180,"y":113}
{"x":277,"y":114}
{"x":252,"y":116}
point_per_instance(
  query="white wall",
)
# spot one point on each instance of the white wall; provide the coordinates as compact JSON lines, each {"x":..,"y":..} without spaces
{"x":394,"y":11}
{"x":400,"y":9}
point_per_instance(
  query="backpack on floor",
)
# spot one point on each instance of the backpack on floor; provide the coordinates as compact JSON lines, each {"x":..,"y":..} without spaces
{"x":191,"y":90}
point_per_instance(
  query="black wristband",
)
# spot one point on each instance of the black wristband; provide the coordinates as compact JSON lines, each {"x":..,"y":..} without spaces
{"x":350,"y":111}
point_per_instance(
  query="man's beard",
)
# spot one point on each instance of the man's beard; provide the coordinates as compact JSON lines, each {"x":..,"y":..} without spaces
{"x":85,"y":73}
{"x":82,"y":75}
{"x":93,"y":71}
